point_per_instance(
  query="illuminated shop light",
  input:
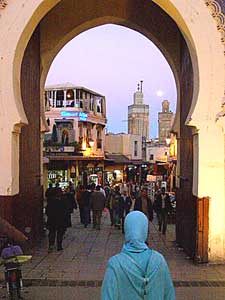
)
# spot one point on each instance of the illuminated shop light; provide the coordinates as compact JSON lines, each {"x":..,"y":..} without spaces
{"x":77,"y":114}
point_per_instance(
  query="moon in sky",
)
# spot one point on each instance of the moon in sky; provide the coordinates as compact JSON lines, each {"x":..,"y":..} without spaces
{"x":159,"y":93}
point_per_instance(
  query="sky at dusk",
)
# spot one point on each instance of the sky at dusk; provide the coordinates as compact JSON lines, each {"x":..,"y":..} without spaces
{"x":111,"y":60}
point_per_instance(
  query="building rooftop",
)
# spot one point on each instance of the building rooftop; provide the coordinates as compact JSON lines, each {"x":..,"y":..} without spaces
{"x":69,"y":85}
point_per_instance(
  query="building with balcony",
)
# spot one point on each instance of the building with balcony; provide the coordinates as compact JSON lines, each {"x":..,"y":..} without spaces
{"x":74,"y":145}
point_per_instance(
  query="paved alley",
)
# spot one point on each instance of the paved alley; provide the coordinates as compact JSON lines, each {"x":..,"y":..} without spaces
{"x":77,"y":272}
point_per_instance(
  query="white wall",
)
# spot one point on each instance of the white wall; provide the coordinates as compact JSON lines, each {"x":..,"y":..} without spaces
{"x":158,"y":152}
{"x":124,"y":144}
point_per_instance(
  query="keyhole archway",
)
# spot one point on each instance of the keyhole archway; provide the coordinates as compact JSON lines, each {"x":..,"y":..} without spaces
{"x":174,"y":28}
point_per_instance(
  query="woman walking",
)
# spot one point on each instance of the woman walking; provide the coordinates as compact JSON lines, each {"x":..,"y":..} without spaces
{"x":137,"y":272}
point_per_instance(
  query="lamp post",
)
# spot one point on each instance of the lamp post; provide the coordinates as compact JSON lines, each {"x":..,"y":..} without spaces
{"x":91,"y":143}
{"x":168,"y":140}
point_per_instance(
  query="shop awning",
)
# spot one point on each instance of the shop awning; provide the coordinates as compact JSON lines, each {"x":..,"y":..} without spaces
{"x":76,"y":158}
{"x":118,"y":158}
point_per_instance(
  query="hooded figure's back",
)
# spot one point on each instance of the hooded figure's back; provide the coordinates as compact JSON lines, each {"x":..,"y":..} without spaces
{"x":137,"y":272}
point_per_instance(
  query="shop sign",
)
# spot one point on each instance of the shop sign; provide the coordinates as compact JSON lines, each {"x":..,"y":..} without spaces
{"x":61,"y":149}
{"x":151,"y":178}
{"x":154,"y":178}
{"x":76,"y":114}
{"x":68,"y":148}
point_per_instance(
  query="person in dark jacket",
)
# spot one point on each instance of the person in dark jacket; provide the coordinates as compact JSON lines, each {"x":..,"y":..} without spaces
{"x":56,"y":223}
{"x":50,"y":192}
{"x":117,"y":200}
{"x":86,"y":206}
{"x":136,"y":193}
{"x":70,"y":204}
{"x":162,"y":207}
{"x":110,"y":205}
{"x":97,"y":201}
{"x":80,"y":199}
{"x":125,"y":207}
{"x":144,"y":204}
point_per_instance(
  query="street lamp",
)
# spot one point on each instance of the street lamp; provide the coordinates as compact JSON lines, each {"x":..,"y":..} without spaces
{"x":84,"y":145}
{"x":168,"y":140}
{"x":91,"y":143}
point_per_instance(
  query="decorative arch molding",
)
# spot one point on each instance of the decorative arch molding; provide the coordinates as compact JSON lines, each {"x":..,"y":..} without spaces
{"x":3,"y":3}
{"x":217,"y":8}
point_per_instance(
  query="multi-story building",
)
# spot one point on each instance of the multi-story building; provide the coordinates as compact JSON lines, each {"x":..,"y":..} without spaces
{"x":165,"y":121}
{"x":138,"y":116}
{"x":76,"y":117}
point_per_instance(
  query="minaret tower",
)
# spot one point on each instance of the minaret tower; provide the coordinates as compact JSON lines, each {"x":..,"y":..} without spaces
{"x":165,"y":121}
{"x":138,"y":115}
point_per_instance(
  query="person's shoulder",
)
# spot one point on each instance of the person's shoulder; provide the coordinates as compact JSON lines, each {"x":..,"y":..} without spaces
{"x":167,"y":196}
{"x":114,"y":260}
{"x":156,"y":256}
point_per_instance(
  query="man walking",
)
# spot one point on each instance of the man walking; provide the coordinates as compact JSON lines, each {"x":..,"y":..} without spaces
{"x":86,"y":206}
{"x":117,"y":200}
{"x":162,"y":207}
{"x":97,"y":201}
{"x":144,"y":204}
{"x":125,"y":207}
{"x":57,"y":213}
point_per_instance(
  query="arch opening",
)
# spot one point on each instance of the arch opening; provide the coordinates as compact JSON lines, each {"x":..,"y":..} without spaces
{"x":174,"y":51}
{"x":181,"y":51}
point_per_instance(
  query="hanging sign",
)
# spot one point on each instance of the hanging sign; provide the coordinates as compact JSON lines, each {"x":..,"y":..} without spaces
{"x":77,"y":114}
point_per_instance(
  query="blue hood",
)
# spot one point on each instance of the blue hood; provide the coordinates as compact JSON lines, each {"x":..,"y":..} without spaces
{"x":136,"y":232}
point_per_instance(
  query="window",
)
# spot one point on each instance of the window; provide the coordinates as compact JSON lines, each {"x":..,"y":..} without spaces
{"x":99,"y":139}
{"x":92,"y":103}
{"x":80,"y":130}
{"x":69,"y":95}
{"x":135,"y":148}
{"x":151,"y":156}
{"x":99,"y":105}
{"x":89,"y":133}
{"x":48,"y":122}
{"x":77,"y":94}
{"x":65,"y":137}
{"x":60,"y":95}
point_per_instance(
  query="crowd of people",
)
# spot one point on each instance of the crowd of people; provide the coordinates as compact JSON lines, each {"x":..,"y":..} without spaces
{"x":92,"y":200}
{"x":142,"y":270}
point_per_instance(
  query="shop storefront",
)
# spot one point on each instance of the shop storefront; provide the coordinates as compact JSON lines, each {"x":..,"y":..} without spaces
{"x":114,"y":176}
{"x":79,"y":170}
{"x":95,"y":175}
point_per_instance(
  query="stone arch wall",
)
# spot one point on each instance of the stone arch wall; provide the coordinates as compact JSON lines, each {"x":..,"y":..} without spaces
{"x":20,"y":20}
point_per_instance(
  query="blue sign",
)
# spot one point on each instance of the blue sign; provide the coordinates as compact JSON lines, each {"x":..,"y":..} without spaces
{"x":77,"y":114}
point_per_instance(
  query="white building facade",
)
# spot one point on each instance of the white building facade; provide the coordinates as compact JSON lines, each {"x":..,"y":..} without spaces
{"x":156,"y":152}
{"x":129,"y":145}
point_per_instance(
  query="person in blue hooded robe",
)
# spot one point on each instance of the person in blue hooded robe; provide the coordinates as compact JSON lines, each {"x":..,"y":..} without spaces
{"x":137,"y":272}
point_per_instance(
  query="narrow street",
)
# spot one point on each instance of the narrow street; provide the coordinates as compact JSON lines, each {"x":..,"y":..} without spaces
{"x":77,"y":272}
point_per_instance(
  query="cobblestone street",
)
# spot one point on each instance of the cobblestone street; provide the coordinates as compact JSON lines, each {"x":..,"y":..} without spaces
{"x":77,"y":272}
